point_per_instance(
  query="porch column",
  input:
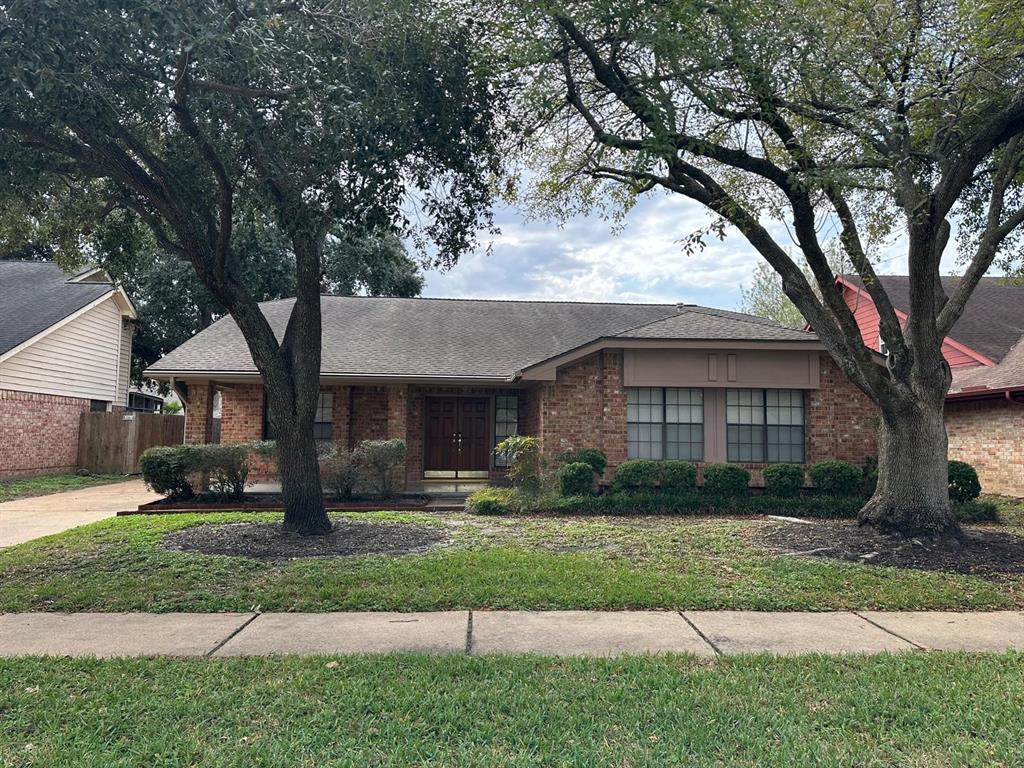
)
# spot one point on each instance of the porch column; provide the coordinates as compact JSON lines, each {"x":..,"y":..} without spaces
{"x":341,"y":427}
{"x":199,"y":413}
{"x":398,"y":419}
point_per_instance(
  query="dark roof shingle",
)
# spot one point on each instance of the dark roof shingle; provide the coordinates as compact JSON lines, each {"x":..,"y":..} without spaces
{"x":993,"y":320}
{"x":34,"y":295}
{"x":462,"y":338}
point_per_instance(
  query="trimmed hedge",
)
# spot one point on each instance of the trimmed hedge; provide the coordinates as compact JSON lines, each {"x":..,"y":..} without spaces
{"x":726,"y":480}
{"x":637,"y":474}
{"x":493,"y":501}
{"x":837,"y":478}
{"x":576,"y":479}
{"x":591,"y":456}
{"x":963,"y":482}
{"x":678,"y":476}
{"x":783,"y":481}
{"x":168,"y":469}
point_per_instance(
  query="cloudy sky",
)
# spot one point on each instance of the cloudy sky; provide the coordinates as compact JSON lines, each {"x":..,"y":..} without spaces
{"x":642,"y":261}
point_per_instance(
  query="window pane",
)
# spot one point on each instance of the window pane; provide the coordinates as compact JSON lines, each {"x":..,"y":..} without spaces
{"x":506,"y":422}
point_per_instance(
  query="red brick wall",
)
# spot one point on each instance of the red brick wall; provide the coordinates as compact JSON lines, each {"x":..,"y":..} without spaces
{"x":585,"y":407}
{"x":38,"y":433}
{"x":369,"y":415}
{"x":199,"y":413}
{"x":989,"y":434}
{"x":842,"y":423}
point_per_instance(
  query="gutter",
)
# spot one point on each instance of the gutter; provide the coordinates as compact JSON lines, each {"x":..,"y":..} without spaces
{"x":987,"y":393}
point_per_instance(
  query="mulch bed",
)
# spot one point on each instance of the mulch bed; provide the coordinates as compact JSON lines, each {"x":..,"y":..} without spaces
{"x":268,"y":541}
{"x":979,"y":553}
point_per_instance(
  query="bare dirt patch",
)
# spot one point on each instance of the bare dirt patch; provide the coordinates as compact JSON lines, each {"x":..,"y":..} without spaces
{"x":980,"y":553}
{"x":269,"y":541}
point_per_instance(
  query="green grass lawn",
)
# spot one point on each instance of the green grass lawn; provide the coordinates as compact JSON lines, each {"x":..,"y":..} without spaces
{"x":40,"y":485}
{"x":515,"y":563}
{"x":916,"y":710}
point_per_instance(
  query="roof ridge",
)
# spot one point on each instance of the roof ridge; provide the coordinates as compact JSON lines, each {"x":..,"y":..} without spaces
{"x":470,"y":299}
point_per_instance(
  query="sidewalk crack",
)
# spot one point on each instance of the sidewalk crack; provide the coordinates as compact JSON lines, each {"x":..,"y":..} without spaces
{"x":889,"y":631}
{"x":233,"y":635}
{"x":697,"y":629}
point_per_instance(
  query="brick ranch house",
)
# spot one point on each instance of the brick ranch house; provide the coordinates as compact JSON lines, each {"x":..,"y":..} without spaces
{"x":65,"y":348}
{"x":985,"y":350}
{"x":453,"y":377}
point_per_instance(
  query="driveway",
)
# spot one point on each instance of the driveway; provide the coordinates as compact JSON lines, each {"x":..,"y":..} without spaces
{"x":27,"y":519}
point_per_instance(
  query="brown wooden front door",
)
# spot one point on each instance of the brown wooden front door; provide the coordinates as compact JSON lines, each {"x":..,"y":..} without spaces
{"x":457,"y":437}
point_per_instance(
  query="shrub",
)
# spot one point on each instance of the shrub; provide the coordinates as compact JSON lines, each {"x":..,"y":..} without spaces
{"x":492,"y":501}
{"x":378,"y":459}
{"x":783,"y":481}
{"x":636,"y":474}
{"x":227,"y":466}
{"x":576,"y":479}
{"x":165,"y":470}
{"x":522,"y":456}
{"x":595,"y":458}
{"x":677,"y":476}
{"x":837,"y":478}
{"x":963,"y":482}
{"x":339,"y":472}
{"x":974,"y":511}
{"x":726,"y":480}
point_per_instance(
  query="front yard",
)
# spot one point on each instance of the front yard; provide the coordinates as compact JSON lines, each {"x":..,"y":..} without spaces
{"x":459,"y":561}
{"x":925,"y":710}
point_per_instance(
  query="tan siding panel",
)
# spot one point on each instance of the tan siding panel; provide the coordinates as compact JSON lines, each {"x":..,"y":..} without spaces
{"x":79,"y":359}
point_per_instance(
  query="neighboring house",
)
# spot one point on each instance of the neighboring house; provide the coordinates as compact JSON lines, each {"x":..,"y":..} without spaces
{"x":65,"y":348}
{"x":147,"y":399}
{"x":985,"y":350}
{"x":453,"y":377}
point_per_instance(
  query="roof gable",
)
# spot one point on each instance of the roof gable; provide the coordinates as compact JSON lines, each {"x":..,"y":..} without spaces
{"x":34,"y":296}
{"x":992,"y":321}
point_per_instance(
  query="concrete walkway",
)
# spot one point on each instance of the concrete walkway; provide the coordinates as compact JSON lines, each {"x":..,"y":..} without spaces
{"x":26,"y":519}
{"x":555,"y":633}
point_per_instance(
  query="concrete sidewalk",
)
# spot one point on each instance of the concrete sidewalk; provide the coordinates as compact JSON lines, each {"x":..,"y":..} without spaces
{"x":556,"y":633}
{"x":26,"y":519}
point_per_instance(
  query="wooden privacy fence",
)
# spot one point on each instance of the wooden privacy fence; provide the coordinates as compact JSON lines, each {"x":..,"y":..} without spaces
{"x":111,"y":443}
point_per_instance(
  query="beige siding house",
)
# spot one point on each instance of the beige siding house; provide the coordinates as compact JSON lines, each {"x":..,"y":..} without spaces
{"x":65,"y":348}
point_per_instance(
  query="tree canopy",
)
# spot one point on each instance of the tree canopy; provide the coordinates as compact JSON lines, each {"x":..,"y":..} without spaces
{"x":805,"y":123}
{"x":322,"y":117}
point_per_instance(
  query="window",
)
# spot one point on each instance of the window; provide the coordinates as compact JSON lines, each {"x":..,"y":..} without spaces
{"x":506,"y":422}
{"x":665,"y":423}
{"x":765,"y":426}
{"x":323,"y":421}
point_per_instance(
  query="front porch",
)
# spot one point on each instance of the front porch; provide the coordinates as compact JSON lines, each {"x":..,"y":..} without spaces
{"x":450,"y":432}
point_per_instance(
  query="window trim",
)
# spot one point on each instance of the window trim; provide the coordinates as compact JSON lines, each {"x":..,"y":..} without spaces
{"x":665,"y":424}
{"x":764,"y":423}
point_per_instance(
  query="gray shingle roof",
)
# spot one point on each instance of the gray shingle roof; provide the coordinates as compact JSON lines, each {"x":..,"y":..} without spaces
{"x":693,"y":323}
{"x":993,"y":320}
{"x":34,"y":295}
{"x":461,"y":338}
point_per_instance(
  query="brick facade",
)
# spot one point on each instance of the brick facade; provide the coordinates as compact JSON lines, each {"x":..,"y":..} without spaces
{"x":842,"y":423}
{"x":584,"y":407}
{"x":989,"y":434}
{"x":38,"y":433}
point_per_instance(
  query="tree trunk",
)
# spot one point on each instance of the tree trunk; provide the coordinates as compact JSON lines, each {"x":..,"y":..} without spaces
{"x":912,"y":495}
{"x":299,"y":469}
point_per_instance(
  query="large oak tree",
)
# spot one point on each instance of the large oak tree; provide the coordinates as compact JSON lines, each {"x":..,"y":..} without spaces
{"x":801,"y":122}
{"x":317,"y":115}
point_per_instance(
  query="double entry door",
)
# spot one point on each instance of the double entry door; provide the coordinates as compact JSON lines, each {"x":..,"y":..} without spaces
{"x":458,"y":437}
